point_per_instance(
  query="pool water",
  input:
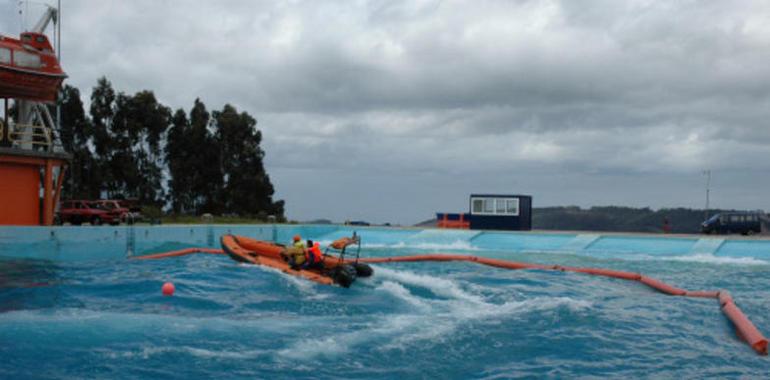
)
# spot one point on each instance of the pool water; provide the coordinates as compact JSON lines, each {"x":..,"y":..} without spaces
{"x":103,"y":316}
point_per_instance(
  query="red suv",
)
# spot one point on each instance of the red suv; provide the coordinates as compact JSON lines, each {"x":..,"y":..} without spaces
{"x":77,"y":212}
{"x":115,"y":207}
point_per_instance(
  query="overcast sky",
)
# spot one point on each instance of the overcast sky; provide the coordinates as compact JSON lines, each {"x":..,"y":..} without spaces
{"x":389,"y":110}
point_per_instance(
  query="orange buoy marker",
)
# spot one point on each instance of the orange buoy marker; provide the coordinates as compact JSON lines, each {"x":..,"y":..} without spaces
{"x":168,"y":289}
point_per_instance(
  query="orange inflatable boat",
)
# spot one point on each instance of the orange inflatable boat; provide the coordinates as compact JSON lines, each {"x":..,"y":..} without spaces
{"x":330,"y":270}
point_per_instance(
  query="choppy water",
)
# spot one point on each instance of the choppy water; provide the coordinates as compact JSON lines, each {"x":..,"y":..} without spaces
{"x":107,"y":319}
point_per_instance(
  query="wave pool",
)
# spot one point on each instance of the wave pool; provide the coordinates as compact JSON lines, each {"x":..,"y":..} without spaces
{"x":73,"y":305}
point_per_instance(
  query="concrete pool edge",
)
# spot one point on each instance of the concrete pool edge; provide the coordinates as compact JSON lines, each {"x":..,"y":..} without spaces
{"x":71,"y":242}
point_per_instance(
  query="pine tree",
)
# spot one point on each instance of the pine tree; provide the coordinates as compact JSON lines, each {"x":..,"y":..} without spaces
{"x":75,"y":132}
{"x":102,"y":100}
{"x":247,"y":189}
{"x":205,"y":171}
{"x":178,"y":154}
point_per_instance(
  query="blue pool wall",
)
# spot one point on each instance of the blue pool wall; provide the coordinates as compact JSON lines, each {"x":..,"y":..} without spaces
{"x":105,"y":242}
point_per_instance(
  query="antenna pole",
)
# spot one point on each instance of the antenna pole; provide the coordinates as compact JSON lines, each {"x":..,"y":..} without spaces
{"x":58,"y":58}
{"x":707,"y":173}
{"x":58,"y":31}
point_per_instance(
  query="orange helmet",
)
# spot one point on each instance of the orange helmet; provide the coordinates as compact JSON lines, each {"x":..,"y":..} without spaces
{"x":297,"y":238}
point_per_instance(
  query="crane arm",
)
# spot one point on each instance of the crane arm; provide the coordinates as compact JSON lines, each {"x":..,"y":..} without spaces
{"x":51,"y":13}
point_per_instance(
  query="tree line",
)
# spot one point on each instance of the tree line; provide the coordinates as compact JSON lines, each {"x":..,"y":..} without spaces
{"x":132,"y":146}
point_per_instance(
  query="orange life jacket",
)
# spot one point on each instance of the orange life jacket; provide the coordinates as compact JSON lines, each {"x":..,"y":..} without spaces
{"x":314,"y":253}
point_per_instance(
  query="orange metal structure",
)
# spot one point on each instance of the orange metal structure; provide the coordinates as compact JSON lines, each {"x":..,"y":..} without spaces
{"x":445,"y":222}
{"x":31,"y":168}
{"x":25,"y":175}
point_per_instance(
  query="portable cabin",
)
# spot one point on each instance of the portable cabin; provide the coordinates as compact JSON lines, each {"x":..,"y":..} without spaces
{"x":500,"y":212}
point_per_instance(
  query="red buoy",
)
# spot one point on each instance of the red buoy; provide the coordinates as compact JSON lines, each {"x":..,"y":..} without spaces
{"x":168,"y":289}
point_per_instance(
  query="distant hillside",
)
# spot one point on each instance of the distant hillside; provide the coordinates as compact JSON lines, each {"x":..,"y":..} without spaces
{"x":318,"y":221}
{"x":427,"y":223}
{"x":613,"y":218}
{"x":619,"y":219}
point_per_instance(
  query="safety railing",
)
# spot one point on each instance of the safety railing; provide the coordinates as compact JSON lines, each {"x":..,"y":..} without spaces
{"x":458,"y":221}
{"x":28,"y":136}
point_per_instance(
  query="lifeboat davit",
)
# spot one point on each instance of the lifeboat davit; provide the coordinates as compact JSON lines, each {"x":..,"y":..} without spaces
{"x":29,"y":69}
{"x":331,"y":270}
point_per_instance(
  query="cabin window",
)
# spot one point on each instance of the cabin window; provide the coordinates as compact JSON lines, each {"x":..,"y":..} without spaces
{"x":512,"y":206}
{"x":5,"y":55}
{"x":489,"y":206}
{"x":478,"y":206}
{"x":495,"y":206}
{"x":24,"y":59}
{"x":500,"y":208}
{"x":40,"y":39}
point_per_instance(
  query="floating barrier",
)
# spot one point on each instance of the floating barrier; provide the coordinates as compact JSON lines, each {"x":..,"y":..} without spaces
{"x":745,"y":329}
{"x":662,"y":286}
{"x":181,"y":252}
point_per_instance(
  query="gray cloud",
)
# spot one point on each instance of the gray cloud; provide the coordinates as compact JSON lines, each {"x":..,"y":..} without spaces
{"x":391,"y":110}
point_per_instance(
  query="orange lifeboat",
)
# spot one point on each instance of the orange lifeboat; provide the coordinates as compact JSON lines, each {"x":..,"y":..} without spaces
{"x":29,"y":69}
{"x":330,"y":270}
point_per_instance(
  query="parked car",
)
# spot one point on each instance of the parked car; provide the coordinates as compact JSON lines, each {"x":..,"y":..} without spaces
{"x":116,"y":208}
{"x":745,"y":223}
{"x":79,"y":211}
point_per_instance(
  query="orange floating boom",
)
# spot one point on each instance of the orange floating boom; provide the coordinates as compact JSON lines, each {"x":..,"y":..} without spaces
{"x":744,"y":328}
{"x":181,"y":252}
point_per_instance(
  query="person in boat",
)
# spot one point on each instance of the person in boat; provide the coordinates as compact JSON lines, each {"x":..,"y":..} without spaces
{"x":309,"y":258}
{"x":298,"y":242}
{"x":295,"y":255}
{"x":314,"y":255}
{"x":300,"y":257}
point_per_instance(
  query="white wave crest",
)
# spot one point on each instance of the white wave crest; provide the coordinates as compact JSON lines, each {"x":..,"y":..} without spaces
{"x":711,"y":259}
{"x":703,"y":258}
{"x":327,"y":347}
{"x":400,"y":292}
{"x":440,"y":326}
{"x":457,"y":245}
{"x":431,"y":320}
{"x":438,"y":286}
{"x":147,"y":352}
